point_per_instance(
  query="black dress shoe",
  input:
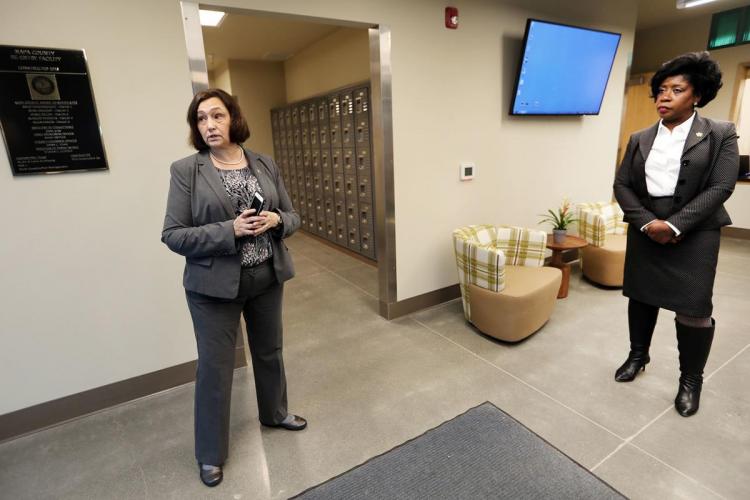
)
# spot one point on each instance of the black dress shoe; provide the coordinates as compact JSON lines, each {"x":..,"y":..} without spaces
{"x":297,"y":423}
{"x":211,"y":477}
{"x":688,"y":395}
{"x":635,"y":363}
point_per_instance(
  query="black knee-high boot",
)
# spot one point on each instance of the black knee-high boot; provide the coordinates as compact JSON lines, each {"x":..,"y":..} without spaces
{"x":694,"y":345}
{"x":641,"y":323}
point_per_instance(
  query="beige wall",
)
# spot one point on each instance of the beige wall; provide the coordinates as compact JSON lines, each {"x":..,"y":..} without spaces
{"x":340,"y":59}
{"x":90,"y":296}
{"x":259,"y":87}
{"x":450,"y":100}
{"x":220,"y":76}
{"x":654,"y":46}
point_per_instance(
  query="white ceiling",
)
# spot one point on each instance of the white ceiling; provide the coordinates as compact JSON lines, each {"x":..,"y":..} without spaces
{"x":261,"y":38}
{"x":652,"y":13}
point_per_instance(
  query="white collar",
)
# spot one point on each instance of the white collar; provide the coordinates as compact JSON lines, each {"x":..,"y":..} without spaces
{"x":681,"y":130}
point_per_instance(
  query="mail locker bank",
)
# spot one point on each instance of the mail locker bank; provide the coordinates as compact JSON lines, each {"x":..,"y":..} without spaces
{"x":324,"y":149}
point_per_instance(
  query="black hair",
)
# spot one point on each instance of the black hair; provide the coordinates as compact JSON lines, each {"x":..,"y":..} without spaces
{"x":698,"y":68}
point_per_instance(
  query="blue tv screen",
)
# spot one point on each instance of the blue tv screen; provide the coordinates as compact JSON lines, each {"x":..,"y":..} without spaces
{"x":564,"y":69}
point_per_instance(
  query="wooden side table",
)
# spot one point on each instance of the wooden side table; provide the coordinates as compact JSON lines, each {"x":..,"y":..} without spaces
{"x":570,"y":243}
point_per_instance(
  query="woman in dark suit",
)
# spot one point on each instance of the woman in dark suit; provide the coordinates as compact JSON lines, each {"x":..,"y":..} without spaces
{"x":672,"y":184}
{"x":236,"y":263}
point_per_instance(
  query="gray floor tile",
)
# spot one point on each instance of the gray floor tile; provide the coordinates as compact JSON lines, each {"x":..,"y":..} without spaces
{"x":367,"y":385}
{"x":301,"y":242}
{"x":86,"y":458}
{"x":639,"y":476}
{"x":364,"y":276}
{"x":573,"y":358}
{"x":392,"y":381}
{"x":321,"y":300}
{"x":304,"y":266}
{"x":713,"y":445}
{"x":326,"y":256}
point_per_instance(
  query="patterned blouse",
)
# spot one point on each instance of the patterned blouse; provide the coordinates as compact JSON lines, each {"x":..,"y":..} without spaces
{"x":241,"y":186}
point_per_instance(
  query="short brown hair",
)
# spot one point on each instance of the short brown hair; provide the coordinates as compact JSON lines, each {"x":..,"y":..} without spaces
{"x":238,"y":129}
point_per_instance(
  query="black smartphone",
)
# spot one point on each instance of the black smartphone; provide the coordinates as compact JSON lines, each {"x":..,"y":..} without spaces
{"x":257,"y":203}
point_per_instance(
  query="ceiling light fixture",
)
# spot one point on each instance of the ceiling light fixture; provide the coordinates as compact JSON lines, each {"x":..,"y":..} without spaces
{"x":212,"y":18}
{"x":686,"y":4}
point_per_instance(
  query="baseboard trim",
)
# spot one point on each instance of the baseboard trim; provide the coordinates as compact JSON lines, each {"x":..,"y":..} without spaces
{"x":419,"y":302}
{"x":735,"y":232}
{"x":51,"y":413}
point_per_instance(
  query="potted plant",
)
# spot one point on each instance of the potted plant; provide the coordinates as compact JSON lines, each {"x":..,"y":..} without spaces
{"x":560,"y":221}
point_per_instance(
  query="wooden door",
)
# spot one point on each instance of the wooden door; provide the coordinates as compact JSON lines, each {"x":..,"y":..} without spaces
{"x":639,"y":110}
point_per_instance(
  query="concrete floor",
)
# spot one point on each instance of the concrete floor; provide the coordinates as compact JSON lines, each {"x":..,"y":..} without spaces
{"x":367,"y":385}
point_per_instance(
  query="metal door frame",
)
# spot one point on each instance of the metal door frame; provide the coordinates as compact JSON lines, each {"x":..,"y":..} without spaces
{"x":382,"y":123}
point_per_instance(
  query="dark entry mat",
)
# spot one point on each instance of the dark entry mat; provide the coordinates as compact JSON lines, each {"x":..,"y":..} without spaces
{"x":483,"y":453}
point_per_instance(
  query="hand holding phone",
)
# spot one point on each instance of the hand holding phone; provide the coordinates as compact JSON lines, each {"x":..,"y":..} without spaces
{"x":243,"y":225}
{"x":257,"y":203}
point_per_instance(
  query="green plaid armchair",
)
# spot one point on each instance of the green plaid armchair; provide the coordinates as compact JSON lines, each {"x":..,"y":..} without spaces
{"x":601,"y":225}
{"x":506,"y":292}
{"x":597,"y":220}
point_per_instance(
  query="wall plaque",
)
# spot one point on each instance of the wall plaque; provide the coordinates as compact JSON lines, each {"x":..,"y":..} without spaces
{"x":48,"y":116}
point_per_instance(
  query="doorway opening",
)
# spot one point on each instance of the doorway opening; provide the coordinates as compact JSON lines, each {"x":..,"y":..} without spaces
{"x":317,"y":95}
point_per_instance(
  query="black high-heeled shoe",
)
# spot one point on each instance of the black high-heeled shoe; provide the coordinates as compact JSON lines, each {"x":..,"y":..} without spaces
{"x":211,"y":475}
{"x":641,"y":323}
{"x":636,"y":362}
{"x":694,"y":344}
{"x":688,"y":394}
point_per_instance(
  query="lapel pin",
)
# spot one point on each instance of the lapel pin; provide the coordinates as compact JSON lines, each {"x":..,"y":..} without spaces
{"x":699,"y":134}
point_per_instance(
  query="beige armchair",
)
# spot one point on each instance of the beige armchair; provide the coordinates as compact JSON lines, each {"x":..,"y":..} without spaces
{"x":506,"y":292}
{"x":601,"y":225}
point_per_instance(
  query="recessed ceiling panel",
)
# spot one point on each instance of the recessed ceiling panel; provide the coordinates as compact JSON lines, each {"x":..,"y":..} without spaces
{"x":255,"y":38}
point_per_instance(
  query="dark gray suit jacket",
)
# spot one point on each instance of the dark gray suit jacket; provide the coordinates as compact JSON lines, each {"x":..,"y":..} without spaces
{"x":199,"y":223}
{"x":708,"y":173}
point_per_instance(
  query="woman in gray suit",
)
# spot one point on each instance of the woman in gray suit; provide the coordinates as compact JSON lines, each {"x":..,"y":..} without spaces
{"x":672,"y":184}
{"x":236,"y":263}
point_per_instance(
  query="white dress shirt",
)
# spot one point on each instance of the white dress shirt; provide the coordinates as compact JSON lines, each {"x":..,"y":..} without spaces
{"x":663,"y":162}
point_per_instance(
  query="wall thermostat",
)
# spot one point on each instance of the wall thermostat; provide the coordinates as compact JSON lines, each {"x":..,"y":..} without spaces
{"x":466,"y":171}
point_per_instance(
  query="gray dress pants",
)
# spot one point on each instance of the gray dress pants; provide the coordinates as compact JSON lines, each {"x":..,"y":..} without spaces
{"x":216,"y":322}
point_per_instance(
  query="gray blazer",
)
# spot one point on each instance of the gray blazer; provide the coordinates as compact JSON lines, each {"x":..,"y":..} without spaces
{"x":199,"y":223}
{"x":708,"y":173}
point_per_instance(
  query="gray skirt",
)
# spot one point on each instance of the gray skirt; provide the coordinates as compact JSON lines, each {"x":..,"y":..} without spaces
{"x":678,"y":277}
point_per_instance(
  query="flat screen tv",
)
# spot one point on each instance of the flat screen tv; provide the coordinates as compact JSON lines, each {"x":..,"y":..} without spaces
{"x":563,"y":70}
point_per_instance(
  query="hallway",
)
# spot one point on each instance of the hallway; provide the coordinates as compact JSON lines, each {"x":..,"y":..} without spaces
{"x":367,"y":385}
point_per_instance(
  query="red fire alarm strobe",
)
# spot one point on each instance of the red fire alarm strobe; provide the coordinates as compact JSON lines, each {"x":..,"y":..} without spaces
{"x":451,"y":18}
